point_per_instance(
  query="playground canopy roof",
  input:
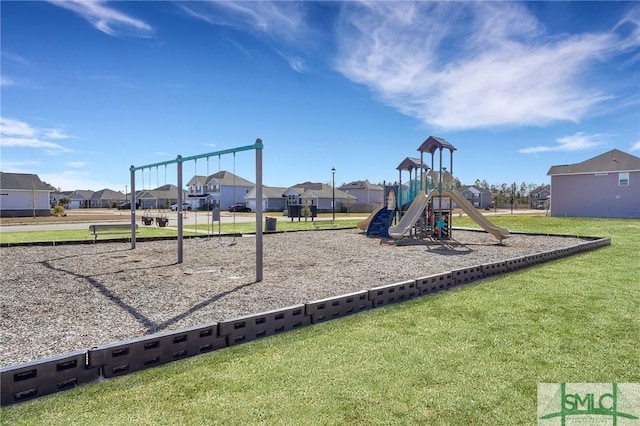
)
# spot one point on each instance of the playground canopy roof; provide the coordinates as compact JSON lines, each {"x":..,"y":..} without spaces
{"x":433,"y":143}
{"x":411,"y":163}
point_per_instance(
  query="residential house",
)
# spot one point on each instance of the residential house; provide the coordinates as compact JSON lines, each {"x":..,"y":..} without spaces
{"x":319,"y":195}
{"x":56,"y":197}
{"x":368,"y":195}
{"x":273,"y":199}
{"x":221,"y":189}
{"x":539,"y":196}
{"x":478,"y":197}
{"x":80,"y":199}
{"x":607,"y":185}
{"x":106,"y":198}
{"x":159,"y":198}
{"x":23,"y":195}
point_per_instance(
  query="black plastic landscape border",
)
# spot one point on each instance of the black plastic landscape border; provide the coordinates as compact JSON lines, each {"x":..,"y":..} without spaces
{"x":34,"y":379}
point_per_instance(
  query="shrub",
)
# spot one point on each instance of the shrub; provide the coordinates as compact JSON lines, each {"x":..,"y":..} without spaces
{"x":59,"y":211}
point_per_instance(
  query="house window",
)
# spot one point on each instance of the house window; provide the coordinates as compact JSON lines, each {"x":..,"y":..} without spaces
{"x":623,"y":179}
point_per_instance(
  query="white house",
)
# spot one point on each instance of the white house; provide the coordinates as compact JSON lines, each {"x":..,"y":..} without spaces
{"x":23,"y":195}
{"x":273,"y":199}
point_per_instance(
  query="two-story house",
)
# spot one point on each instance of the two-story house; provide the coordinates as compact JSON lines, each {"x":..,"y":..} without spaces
{"x":539,"y":196}
{"x":607,"y":185}
{"x":368,"y":195}
{"x":221,"y":189}
{"x":478,"y":197}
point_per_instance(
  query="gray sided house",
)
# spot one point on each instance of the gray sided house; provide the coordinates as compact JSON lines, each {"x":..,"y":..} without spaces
{"x":159,"y":198}
{"x":604,"y":186}
{"x":319,"y":195}
{"x":478,"y":197}
{"x":273,"y":199}
{"x":106,"y":198}
{"x":539,"y":196}
{"x":368,"y":196}
{"x":80,"y":199}
{"x":23,"y":195}
{"x":221,"y":189}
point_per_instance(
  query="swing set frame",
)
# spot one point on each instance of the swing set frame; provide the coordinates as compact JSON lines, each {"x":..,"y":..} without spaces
{"x":257,"y":147}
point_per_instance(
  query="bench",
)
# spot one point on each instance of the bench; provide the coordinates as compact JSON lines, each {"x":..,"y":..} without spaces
{"x":111,"y":228}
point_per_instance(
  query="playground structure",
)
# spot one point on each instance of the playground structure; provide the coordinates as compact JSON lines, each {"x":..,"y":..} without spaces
{"x":424,"y":204}
{"x":179,"y":161}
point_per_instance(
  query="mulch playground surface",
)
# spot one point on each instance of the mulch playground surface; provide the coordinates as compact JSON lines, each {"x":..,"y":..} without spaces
{"x":57,"y":299}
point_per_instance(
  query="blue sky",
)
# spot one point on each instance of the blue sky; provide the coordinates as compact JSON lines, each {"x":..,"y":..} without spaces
{"x":90,"y":88}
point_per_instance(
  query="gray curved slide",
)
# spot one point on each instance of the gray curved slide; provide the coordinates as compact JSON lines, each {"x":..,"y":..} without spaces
{"x":420,"y":203}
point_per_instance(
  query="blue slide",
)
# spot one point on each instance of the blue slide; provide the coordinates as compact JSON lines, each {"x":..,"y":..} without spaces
{"x":379,"y":225}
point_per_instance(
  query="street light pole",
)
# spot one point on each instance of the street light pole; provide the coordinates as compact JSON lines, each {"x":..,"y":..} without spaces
{"x":333,"y":192}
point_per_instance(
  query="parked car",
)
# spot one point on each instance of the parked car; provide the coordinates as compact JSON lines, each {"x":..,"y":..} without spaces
{"x":239,"y":208}
{"x":127,"y":206}
{"x":185,"y":206}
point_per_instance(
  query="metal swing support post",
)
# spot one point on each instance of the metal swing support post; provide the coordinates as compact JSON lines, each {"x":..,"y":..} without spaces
{"x":257,"y":146}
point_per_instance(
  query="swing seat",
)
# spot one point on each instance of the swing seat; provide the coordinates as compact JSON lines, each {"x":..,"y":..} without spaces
{"x":147,"y":220}
{"x":162,"y":221}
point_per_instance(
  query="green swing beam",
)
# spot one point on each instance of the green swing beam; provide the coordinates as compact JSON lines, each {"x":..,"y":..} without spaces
{"x":179,"y":160}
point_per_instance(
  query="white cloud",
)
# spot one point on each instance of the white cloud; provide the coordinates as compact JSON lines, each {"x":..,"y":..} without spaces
{"x":297,"y":63}
{"x":469,"y":65}
{"x":577,"y":142}
{"x":282,"y":20}
{"x":635,"y":146}
{"x":6,"y":82}
{"x":18,"y":134}
{"x":56,"y":134}
{"x":106,"y":19}
{"x":11,"y":127}
{"x":271,"y":22}
{"x":75,"y":164}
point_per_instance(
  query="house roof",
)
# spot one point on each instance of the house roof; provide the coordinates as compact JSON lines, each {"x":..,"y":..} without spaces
{"x":165,"y":192}
{"x":107,"y":194}
{"x":319,"y":190}
{"x":24,"y":181}
{"x":301,"y":187}
{"x":473,"y":188}
{"x":267,"y":192}
{"x":272,"y":191}
{"x":433,"y":143}
{"x":198,"y":180}
{"x":411,"y":163}
{"x":360,"y":184}
{"x":541,"y":189}
{"x":225,"y":178}
{"x":327,"y":192}
{"x":612,"y":161}
{"x":81,"y":194}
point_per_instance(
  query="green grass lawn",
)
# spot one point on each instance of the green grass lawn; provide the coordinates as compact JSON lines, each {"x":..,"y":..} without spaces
{"x":153,"y":231}
{"x":473,"y":355}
